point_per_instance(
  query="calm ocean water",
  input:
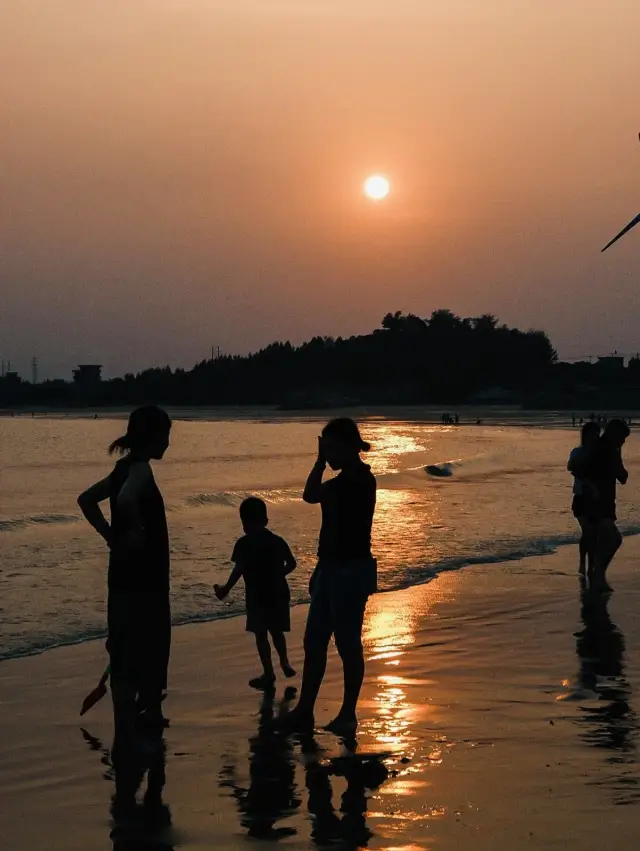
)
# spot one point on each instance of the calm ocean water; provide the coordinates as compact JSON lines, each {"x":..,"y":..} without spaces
{"x":508,"y":496}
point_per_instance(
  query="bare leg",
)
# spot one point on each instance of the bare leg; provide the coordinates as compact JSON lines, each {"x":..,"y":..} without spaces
{"x":315,"y":665}
{"x":609,"y":542}
{"x":280,"y":644}
{"x":349,"y":644}
{"x":264,"y":652}
{"x":316,"y":643}
{"x":583,"y":546}
{"x":588,"y":544}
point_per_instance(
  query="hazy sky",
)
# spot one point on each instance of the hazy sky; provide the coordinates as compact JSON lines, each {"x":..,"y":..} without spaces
{"x":176,"y":174}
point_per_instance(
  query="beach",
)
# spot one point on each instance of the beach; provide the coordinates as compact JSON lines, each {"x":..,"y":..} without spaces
{"x":502,"y":710}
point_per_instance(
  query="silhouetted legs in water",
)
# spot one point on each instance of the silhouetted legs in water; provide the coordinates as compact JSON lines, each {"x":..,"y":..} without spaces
{"x":609,"y":541}
{"x":268,"y":677}
{"x":342,"y":616}
{"x":588,"y":545}
{"x":139,"y":646}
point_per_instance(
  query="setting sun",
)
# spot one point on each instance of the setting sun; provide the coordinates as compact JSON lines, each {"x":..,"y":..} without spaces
{"x":376,"y":187}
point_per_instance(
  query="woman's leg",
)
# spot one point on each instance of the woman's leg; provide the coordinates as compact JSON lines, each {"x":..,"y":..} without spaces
{"x":155,"y":641}
{"x":609,"y":541}
{"x":348,"y":634}
{"x":122,"y":659}
{"x":316,"y":643}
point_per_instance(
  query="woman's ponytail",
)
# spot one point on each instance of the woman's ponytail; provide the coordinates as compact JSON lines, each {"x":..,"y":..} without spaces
{"x":144,"y":424}
{"x":120,"y":445}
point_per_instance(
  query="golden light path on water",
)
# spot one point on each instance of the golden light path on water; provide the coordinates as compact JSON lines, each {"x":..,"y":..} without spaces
{"x":397,"y":717}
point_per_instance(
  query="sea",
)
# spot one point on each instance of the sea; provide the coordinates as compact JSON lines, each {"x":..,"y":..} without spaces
{"x":449,"y":498}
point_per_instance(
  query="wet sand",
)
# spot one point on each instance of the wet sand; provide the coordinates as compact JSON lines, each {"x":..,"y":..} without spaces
{"x":501,"y":708}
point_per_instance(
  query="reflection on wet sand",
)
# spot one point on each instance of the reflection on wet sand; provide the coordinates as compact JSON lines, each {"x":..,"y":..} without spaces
{"x":389,"y":634}
{"x":271,"y":795}
{"x":611,"y":724}
{"x":137,"y":825}
{"x":346,"y":827}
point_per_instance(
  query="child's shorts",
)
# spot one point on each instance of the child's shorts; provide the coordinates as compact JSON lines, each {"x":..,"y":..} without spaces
{"x":275,"y":618}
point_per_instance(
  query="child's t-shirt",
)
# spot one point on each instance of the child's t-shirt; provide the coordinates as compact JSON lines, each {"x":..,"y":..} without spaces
{"x":263,"y":556}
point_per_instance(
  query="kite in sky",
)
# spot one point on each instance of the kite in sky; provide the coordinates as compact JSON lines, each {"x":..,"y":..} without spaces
{"x":631,"y":224}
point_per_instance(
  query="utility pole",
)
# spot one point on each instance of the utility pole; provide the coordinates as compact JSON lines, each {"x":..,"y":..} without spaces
{"x":34,"y":370}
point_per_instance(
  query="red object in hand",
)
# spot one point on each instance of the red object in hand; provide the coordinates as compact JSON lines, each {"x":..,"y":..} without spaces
{"x":97,"y":694}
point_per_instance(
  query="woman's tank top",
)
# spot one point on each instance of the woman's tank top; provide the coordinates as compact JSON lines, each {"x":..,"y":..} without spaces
{"x":147,"y":569}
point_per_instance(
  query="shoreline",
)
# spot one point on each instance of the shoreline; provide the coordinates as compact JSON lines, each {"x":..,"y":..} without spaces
{"x":471,"y":701}
{"x":430,"y":414}
{"x":554,"y":547}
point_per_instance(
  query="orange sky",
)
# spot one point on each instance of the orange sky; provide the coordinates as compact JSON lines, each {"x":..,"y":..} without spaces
{"x":181,"y":173}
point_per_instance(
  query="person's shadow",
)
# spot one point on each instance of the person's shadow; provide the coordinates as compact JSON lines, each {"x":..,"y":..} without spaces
{"x":345,"y":828}
{"x":611,"y":722}
{"x":137,"y":824}
{"x":271,"y":795}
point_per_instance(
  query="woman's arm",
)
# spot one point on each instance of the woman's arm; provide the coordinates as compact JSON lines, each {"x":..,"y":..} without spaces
{"x":89,"y":502}
{"x":130,"y":493}
{"x":313,"y":488}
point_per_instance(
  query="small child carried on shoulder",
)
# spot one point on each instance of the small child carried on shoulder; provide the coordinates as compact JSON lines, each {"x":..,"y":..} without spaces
{"x":263,"y":560}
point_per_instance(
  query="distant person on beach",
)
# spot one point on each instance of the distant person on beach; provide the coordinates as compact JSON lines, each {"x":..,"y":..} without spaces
{"x":139,"y":615}
{"x":578,"y":457}
{"x":345,"y":575}
{"x":263,"y":560}
{"x":603,"y":469}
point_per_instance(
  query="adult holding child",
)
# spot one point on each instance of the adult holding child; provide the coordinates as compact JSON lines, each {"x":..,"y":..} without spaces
{"x":345,"y":575}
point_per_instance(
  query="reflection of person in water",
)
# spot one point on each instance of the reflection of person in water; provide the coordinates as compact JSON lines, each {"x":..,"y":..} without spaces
{"x":347,"y":828}
{"x":600,"y":648}
{"x":137,"y":825}
{"x":271,"y":795}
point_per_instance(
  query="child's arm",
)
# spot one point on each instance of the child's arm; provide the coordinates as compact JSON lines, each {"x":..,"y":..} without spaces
{"x":89,"y":502}
{"x":222,"y":591}
{"x":290,"y":562}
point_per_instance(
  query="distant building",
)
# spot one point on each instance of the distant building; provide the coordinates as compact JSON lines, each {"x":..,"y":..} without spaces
{"x":87,"y":375}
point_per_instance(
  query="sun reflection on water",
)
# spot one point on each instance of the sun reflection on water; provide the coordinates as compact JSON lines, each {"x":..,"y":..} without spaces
{"x":395,"y":721}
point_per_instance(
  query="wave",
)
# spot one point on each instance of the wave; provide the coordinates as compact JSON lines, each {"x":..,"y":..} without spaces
{"x":508,"y":551}
{"x":232,"y":499}
{"x":13,"y":525}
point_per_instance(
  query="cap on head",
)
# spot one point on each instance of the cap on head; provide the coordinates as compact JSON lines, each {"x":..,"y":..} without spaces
{"x":346,"y":430}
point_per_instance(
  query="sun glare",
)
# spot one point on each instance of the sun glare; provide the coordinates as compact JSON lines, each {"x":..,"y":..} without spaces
{"x":376,"y":187}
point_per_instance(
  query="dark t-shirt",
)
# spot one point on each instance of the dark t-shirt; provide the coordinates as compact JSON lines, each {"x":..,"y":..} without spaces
{"x":148,"y":569}
{"x":601,"y":467}
{"x":348,"y":503}
{"x":262,"y":556}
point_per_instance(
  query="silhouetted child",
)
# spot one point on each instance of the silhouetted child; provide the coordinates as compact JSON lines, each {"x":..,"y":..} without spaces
{"x":263,"y":560}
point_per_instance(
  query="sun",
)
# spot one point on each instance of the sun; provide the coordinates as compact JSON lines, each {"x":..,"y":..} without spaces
{"x":376,"y":187}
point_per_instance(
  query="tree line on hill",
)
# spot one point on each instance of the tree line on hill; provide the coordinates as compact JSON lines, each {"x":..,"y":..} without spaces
{"x":408,"y":360}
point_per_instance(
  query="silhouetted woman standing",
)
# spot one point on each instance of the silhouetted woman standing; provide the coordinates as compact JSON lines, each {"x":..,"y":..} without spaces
{"x":139,"y":615}
{"x":345,"y":575}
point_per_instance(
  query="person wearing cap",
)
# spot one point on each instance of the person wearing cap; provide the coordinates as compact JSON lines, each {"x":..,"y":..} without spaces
{"x":345,"y":574}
